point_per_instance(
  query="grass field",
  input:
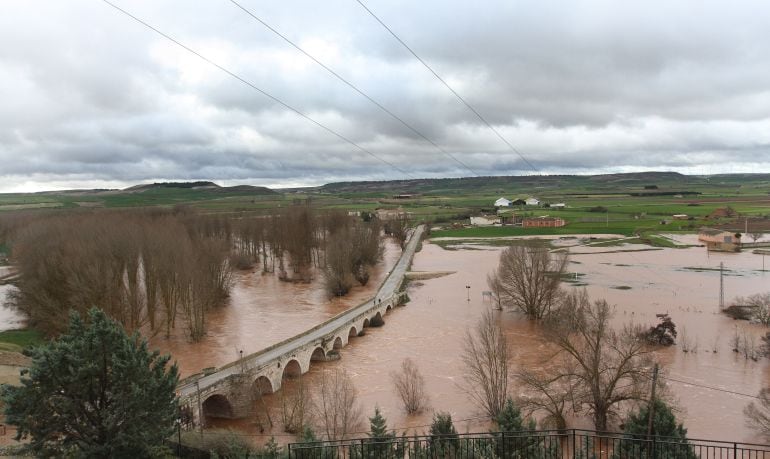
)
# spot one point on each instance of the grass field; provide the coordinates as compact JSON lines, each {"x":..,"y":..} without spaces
{"x":20,"y":339}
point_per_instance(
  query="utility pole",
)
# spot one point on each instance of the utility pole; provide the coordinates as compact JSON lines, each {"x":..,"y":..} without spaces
{"x":721,"y":285}
{"x":652,"y":400}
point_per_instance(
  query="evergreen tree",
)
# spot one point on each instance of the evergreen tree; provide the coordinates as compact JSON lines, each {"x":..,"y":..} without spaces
{"x":381,"y":442}
{"x":510,"y":420}
{"x":94,"y":392}
{"x":509,"y":441}
{"x":673,"y":445}
{"x":444,"y":437}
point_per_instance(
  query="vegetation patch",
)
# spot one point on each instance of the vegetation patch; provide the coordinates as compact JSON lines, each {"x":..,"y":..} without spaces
{"x":621,"y":287}
{"x":21,"y":338}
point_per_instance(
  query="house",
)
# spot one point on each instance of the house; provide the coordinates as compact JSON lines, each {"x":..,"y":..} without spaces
{"x":558,"y":205}
{"x":390,"y":214}
{"x":720,"y":240}
{"x":502,"y":202}
{"x":485,"y":221}
{"x":532,"y":202}
{"x":680,"y":216}
{"x":543,"y":222}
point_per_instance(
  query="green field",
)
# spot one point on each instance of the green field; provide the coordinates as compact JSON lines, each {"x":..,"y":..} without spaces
{"x":640,"y":203}
{"x":19,"y":339}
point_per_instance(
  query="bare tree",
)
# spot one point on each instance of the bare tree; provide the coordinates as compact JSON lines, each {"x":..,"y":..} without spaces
{"x":486,"y":359}
{"x":756,"y":235}
{"x":337,"y":404}
{"x":550,"y":396}
{"x":758,"y":414}
{"x":296,"y":406}
{"x":605,"y":367}
{"x":410,"y":387}
{"x":528,"y":279}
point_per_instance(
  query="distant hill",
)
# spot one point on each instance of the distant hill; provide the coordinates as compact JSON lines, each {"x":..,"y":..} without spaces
{"x":523,"y":183}
{"x":201,"y":185}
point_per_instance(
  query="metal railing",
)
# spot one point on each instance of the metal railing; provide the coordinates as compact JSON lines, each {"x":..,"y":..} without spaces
{"x":553,"y":444}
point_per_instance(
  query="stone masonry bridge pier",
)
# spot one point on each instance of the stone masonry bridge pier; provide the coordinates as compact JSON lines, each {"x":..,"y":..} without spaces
{"x":231,"y":390}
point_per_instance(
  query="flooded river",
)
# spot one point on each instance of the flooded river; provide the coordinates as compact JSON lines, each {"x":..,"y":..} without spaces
{"x":430,"y":328}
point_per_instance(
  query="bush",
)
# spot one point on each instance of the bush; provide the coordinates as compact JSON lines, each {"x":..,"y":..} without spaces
{"x":663,"y":334}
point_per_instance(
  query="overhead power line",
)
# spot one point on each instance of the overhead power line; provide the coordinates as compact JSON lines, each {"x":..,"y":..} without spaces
{"x":256,"y":88}
{"x":352,"y":86}
{"x":456,"y":94}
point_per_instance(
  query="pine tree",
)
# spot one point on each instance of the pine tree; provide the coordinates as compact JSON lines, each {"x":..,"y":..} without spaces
{"x":507,"y":442}
{"x":94,"y":392}
{"x":510,"y":420}
{"x":443,"y":434}
{"x":380,"y":440}
{"x":664,"y":424}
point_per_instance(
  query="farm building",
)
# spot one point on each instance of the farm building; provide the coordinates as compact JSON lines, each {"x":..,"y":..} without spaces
{"x":502,"y":202}
{"x":532,"y":202}
{"x":720,"y":240}
{"x":680,"y":216}
{"x":485,"y":221}
{"x":390,"y":214}
{"x":543,"y":222}
{"x":558,"y":205}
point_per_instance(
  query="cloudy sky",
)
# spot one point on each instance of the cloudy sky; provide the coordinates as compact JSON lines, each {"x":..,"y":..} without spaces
{"x":89,"y":98}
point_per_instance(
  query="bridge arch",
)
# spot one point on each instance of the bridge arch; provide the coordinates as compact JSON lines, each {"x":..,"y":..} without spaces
{"x":262,"y":385}
{"x":366,"y":323}
{"x":388,"y":308}
{"x":217,"y":406}
{"x":337,"y":343}
{"x":377,"y":320}
{"x":292,"y":369}
{"x":352,"y":333}
{"x":318,"y":355}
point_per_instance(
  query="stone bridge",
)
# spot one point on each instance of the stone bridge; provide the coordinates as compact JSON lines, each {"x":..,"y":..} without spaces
{"x":231,"y":390}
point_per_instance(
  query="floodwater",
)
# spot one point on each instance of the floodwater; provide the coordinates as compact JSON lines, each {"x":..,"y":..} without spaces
{"x":640,"y":282}
{"x":261,"y":311}
{"x":10,"y":317}
{"x":681,"y":282}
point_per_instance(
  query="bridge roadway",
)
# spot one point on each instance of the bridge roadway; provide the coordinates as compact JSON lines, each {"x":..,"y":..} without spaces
{"x":238,"y":380}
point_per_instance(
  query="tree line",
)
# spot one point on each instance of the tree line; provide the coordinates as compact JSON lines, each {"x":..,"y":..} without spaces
{"x":155,"y":269}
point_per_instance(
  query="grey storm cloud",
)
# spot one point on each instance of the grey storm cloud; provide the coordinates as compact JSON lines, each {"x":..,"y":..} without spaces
{"x":91,"y":98}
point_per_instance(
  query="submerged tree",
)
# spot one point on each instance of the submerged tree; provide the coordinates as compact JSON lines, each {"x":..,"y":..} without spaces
{"x":528,"y":279}
{"x":410,"y":387}
{"x":486,"y":358}
{"x":758,"y":414}
{"x":94,"y":392}
{"x":603,"y":367}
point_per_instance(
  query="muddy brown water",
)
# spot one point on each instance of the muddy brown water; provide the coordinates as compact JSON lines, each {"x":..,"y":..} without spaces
{"x":430,"y":329}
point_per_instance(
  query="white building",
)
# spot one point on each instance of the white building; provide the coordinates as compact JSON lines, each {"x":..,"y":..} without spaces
{"x":532,"y":202}
{"x":485,"y":221}
{"x":558,"y":205}
{"x":502,"y":202}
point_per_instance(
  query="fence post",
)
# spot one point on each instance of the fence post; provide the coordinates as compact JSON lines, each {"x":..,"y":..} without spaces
{"x":735,"y":450}
{"x":289,"y":449}
{"x":574,"y":445}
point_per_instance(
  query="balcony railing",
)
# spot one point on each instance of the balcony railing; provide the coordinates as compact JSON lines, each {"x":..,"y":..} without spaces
{"x":561,"y":444}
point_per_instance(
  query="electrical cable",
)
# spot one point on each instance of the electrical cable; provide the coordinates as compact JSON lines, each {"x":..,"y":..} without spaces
{"x":256,"y":88}
{"x":456,"y":94}
{"x":352,"y":86}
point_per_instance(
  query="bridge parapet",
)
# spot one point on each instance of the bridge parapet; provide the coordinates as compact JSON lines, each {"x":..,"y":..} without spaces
{"x":230,"y":391}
